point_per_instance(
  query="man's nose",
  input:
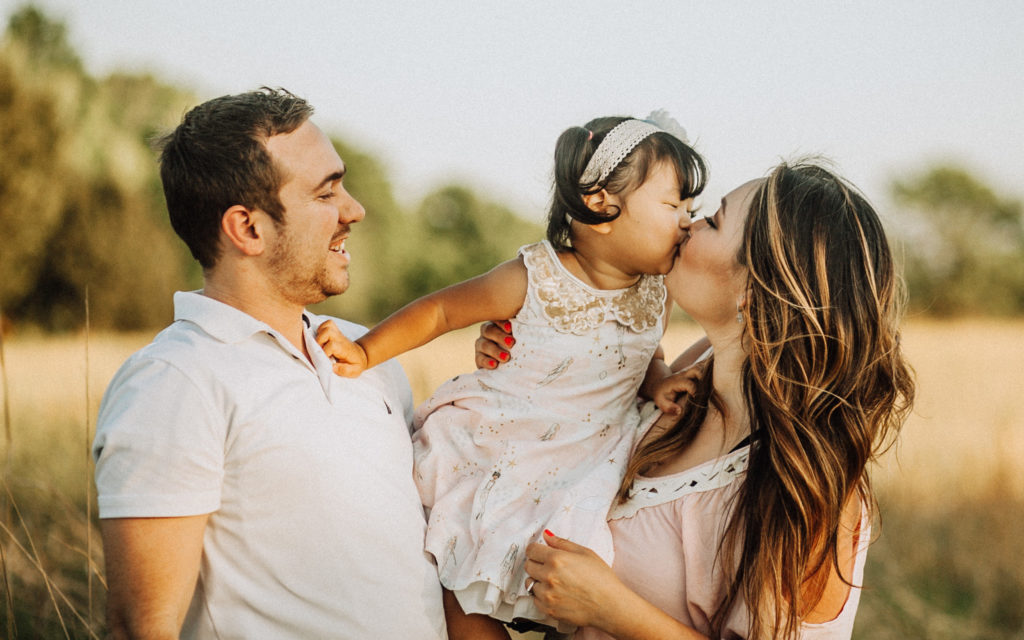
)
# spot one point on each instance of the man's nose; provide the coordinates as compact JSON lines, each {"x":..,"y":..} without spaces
{"x":350,"y":210}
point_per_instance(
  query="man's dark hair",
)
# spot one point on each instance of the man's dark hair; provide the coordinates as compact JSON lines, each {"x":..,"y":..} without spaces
{"x":217,"y":158}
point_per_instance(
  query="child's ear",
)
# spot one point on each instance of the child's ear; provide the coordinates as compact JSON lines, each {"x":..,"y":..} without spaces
{"x":243,"y":228}
{"x":600,"y":202}
{"x":597,"y":202}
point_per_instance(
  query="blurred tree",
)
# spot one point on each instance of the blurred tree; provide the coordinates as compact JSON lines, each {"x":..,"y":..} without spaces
{"x":80,"y":202}
{"x":30,"y":188}
{"x":964,"y":244}
{"x":458,"y":236}
{"x":45,"y":40}
{"x":81,"y":207}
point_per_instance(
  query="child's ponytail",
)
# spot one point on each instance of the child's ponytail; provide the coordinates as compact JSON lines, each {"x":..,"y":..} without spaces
{"x":572,"y":152}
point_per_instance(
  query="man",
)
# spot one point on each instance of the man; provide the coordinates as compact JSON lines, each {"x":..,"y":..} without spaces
{"x":245,"y":491}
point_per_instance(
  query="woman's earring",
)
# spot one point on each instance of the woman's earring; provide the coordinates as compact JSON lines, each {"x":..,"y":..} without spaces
{"x":739,"y":313}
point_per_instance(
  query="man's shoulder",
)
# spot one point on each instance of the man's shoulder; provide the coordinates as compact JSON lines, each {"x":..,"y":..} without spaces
{"x":181,"y":341}
{"x":182,"y":349}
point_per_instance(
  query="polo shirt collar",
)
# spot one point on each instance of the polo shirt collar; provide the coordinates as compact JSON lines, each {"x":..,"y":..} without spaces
{"x":221,"y":321}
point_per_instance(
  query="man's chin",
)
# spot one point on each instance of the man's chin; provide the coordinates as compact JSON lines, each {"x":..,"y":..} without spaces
{"x":334,"y":289}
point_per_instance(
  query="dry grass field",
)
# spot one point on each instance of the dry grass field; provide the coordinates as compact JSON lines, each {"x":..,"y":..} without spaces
{"x":945,"y":565}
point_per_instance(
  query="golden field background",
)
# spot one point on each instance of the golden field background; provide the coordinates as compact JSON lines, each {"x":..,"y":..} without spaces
{"x":946,"y":563}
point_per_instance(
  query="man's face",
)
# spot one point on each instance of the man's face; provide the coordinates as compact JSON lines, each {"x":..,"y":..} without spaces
{"x":306,"y":252}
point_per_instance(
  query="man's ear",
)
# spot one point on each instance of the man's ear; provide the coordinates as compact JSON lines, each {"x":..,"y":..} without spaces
{"x":243,"y":229}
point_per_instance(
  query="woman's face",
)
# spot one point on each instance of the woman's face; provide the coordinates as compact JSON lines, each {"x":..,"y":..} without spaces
{"x":707,"y":282}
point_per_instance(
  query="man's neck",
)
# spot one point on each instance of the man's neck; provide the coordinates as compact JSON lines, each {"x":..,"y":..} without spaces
{"x":257,"y":301}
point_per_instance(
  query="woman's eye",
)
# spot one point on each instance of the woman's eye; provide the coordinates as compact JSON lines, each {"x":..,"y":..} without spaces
{"x":711,"y":222}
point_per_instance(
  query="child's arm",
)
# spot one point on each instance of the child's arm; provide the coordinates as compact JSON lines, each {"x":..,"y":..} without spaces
{"x":663,"y":383}
{"x":663,"y":386}
{"x":499,"y":293}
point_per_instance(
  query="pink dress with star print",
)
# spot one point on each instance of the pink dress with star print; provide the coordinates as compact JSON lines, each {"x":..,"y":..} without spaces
{"x":542,"y":441}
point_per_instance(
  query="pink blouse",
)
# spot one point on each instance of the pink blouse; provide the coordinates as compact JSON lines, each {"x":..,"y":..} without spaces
{"x":666,"y":538}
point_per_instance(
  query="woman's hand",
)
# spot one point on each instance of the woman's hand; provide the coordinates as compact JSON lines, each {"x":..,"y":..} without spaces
{"x":493,"y":344}
{"x":572,"y":583}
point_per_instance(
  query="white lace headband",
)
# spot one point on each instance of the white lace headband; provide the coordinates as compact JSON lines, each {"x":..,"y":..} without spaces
{"x":622,"y":139}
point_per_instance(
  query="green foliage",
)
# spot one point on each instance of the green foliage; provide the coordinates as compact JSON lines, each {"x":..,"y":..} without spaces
{"x":81,"y":208}
{"x":458,"y":236}
{"x":45,"y":41}
{"x":964,"y":244}
{"x":80,"y":205}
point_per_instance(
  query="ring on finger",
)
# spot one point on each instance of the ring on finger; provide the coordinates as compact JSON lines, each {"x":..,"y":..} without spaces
{"x":530,"y":586}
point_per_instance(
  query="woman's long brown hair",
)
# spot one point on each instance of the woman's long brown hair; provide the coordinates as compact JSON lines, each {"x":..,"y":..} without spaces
{"x":825,"y":385}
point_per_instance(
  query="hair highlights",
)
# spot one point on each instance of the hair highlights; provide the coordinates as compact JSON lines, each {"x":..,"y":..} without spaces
{"x":825,"y":385}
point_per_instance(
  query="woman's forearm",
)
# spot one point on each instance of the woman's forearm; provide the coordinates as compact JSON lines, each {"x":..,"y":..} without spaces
{"x":633,"y":618}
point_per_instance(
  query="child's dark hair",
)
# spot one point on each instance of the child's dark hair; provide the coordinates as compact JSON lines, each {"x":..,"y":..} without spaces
{"x":573,"y":151}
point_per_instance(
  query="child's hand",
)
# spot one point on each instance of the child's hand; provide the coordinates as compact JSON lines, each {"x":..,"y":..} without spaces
{"x":668,"y":390}
{"x":349,"y":358}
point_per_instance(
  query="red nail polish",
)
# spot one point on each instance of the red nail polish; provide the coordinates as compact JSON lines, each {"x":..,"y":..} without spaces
{"x":547,"y":532}
{"x":508,"y":326}
{"x":504,"y":356}
{"x":492,"y":363}
{"x":508,"y":341}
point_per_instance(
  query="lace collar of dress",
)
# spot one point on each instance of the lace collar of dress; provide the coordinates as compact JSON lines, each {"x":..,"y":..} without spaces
{"x":713,"y":474}
{"x":572,"y":306}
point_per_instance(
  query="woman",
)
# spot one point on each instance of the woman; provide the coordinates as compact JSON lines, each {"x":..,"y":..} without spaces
{"x":749,"y":517}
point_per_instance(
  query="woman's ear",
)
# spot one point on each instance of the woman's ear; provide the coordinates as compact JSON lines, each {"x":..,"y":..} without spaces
{"x":243,"y":229}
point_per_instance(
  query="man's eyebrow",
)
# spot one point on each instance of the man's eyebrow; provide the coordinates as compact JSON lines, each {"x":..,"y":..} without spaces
{"x":334,"y":177}
{"x":723,"y":206}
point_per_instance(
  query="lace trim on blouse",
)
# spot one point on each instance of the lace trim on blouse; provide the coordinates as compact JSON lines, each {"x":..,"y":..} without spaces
{"x":713,"y":474}
{"x":572,"y":306}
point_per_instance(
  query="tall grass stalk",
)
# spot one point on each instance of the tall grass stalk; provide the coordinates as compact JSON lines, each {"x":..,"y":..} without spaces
{"x":12,"y":629}
{"x":88,"y":470}
{"x":35,"y":560}
{"x":33,"y":556}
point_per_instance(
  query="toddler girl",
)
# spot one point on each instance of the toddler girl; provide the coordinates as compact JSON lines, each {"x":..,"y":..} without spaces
{"x":500,"y":455}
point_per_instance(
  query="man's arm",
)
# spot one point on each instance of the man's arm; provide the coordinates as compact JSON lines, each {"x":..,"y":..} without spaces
{"x":152,"y":568}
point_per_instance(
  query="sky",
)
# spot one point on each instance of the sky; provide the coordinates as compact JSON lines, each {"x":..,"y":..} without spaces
{"x":478,"y":91}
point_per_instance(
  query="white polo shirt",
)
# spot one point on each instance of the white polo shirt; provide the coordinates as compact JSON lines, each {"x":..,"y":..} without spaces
{"x":316,"y":528}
